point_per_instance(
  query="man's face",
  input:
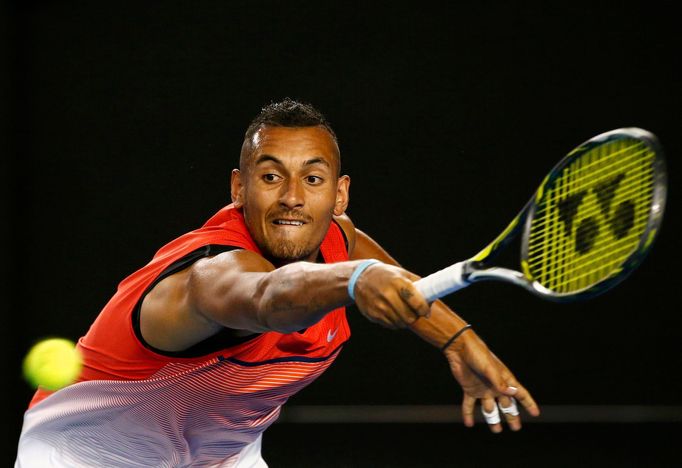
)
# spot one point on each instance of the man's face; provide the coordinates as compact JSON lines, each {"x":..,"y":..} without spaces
{"x":289,"y":189}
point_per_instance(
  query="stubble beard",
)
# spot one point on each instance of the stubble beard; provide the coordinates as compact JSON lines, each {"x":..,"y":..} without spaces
{"x":280,"y":249}
{"x":287,"y":251}
{"x":283,"y":250}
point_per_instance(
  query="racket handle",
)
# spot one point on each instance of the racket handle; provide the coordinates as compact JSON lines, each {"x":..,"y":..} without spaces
{"x":442,"y":282}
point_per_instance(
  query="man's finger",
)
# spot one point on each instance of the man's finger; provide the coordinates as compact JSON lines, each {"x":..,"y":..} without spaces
{"x":491,"y":414}
{"x":384,"y":315}
{"x":523,"y":396}
{"x":401,"y":312}
{"x":414,"y":300}
{"x":468,"y":404}
{"x":510,"y":411}
{"x":507,"y":384}
{"x":504,"y":383}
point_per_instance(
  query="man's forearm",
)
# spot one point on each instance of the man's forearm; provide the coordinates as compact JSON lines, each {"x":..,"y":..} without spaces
{"x":298,"y":295}
{"x":440,"y":326}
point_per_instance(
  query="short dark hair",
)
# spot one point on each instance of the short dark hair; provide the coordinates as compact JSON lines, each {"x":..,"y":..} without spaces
{"x":289,"y":113}
{"x":286,"y":113}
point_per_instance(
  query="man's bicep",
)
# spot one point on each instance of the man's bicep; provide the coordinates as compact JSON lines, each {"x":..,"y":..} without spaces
{"x":226,"y":289}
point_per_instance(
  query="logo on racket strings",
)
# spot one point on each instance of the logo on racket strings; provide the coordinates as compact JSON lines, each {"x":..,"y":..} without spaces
{"x":619,"y":220}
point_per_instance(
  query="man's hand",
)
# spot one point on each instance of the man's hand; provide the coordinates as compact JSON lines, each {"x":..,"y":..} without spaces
{"x":385,"y":294}
{"x":483,"y":376}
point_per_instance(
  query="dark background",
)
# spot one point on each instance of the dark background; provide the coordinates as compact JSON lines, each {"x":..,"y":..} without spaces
{"x":122,"y":121}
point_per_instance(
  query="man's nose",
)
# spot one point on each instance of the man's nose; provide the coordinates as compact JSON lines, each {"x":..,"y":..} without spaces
{"x":293,"y":195}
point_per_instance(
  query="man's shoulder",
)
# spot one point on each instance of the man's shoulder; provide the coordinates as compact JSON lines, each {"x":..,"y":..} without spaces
{"x":225,"y":228}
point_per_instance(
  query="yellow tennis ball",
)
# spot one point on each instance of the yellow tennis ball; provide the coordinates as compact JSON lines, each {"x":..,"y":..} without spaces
{"x":52,"y":363}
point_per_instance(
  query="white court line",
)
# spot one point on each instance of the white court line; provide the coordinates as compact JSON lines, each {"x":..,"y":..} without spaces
{"x":311,"y":414}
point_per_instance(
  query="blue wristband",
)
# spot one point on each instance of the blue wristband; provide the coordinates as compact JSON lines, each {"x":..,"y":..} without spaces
{"x":356,"y":274}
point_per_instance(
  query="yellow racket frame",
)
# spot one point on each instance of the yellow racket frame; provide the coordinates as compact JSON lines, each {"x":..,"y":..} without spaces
{"x":596,"y":215}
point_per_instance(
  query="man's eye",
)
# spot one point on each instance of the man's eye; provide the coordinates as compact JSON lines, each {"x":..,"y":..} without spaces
{"x":270,"y":177}
{"x":314,"y":180}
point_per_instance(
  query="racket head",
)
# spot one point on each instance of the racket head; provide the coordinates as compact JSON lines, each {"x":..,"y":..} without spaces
{"x":595,"y":216}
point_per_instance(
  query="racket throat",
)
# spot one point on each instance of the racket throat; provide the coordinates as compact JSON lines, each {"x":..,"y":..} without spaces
{"x":498,"y":274}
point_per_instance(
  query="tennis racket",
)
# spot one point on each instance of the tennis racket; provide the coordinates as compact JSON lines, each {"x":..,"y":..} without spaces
{"x":587,"y":227}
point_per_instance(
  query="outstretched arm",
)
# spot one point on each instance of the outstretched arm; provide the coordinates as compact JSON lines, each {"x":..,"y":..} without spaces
{"x":242,"y":291}
{"x":479,"y":372}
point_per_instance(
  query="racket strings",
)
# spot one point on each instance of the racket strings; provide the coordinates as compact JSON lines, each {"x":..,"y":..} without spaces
{"x":592,"y":170}
{"x":582,"y":270}
{"x":606,"y":257}
{"x":592,"y":217}
{"x":589,"y":277}
{"x":595,"y":180}
{"x":586,"y":274}
{"x":591,"y":208}
{"x":587,"y":212}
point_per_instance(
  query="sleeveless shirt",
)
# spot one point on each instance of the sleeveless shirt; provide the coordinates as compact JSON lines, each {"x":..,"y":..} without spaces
{"x":136,"y":406}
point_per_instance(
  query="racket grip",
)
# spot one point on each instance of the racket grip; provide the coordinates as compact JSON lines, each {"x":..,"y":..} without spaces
{"x":442,"y":282}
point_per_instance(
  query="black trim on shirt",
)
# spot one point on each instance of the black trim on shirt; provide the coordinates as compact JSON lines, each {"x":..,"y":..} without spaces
{"x":281,"y":359}
{"x":221,"y":340}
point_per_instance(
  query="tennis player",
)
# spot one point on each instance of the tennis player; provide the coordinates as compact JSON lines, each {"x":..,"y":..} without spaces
{"x":197,"y":351}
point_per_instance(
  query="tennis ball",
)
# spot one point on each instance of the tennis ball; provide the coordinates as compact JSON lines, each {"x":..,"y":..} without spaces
{"x":52,"y":363}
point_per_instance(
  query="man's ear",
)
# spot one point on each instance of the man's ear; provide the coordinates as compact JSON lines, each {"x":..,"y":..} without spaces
{"x":237,"y":188}
{"x":342,"y":195}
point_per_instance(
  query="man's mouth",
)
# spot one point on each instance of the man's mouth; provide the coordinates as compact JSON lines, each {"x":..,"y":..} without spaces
{"x":289,"y":222}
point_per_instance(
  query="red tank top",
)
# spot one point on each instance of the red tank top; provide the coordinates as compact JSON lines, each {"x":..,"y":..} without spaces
{"x":112,"y":351}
